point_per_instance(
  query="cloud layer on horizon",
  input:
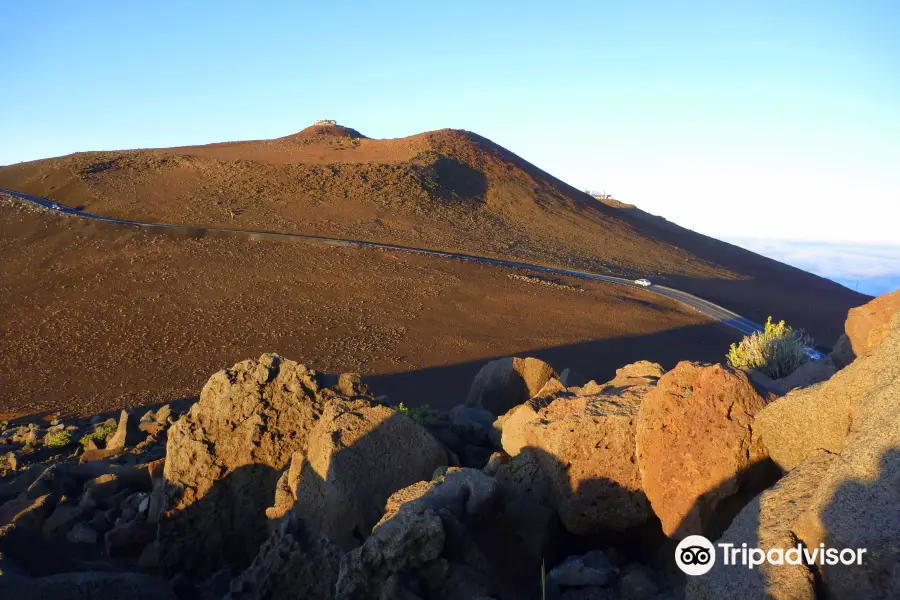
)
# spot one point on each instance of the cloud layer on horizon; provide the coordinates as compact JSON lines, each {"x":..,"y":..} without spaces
{"x":873,"y":269}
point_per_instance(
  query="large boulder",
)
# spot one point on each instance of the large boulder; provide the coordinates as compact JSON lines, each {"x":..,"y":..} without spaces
{"x":819,"y":417}
{"x":506,"y":382}
{"x":295,"y":562}
{"x":358,"y":454}
{"x":855,"y":503}
{"x":768,"y":522}
{"x":586,"y":448}
{"x":446,"y":540}
{"x":868,"y":325}
{"x":696,"y":446}
{"x":529,"y":506}
{"x":583,"y":439}
{"x":841,"y":492}
{"x":224,"y":457}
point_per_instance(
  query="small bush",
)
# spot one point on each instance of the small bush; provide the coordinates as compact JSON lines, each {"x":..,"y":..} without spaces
{"x":778,"y":351}
{"x":102,"y":431}
{"x":59,"y":440}
{"x":423,"y":415}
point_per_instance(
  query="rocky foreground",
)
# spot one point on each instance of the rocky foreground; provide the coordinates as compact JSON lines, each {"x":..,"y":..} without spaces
{"x":284,"y":482}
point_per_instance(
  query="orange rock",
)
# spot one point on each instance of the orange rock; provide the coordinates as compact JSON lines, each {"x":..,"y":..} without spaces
{"x":868,"y":325}
{"x":695,"y":444}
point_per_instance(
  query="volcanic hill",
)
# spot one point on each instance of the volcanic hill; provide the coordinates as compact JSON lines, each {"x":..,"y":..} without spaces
{"x":449,"y":189}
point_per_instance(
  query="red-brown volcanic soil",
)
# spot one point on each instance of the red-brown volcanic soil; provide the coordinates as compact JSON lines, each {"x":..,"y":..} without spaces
{"x":446,"y":189}
{"x":96,"y":317}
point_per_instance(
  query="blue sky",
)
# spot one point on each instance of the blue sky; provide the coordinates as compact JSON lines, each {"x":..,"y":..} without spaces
{"x":776,"y":120}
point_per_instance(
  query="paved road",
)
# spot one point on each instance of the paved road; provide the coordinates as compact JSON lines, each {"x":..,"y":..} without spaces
{"x":705,"y":307}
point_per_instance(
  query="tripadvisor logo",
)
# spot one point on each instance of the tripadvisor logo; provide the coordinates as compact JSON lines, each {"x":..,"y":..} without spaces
{"x":696,"y":555}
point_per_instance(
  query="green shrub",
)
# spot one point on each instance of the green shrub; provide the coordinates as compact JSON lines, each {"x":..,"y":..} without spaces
{"x":778,"y":351}
{"x":423,"y":415}
{"x":59,"y":440}
{"x":99,"y":434}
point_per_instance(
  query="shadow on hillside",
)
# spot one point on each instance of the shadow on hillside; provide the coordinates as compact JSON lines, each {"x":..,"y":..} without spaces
{"x":775,"y":289}
{"x":758,"y":299}
{"x":457,"y":182}
{"x":178,"y":405}
{"x":446,"y":386}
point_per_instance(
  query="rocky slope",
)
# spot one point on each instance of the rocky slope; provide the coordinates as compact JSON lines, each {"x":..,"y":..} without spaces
{"x":447,"y":189}
{"x":285,"y":482}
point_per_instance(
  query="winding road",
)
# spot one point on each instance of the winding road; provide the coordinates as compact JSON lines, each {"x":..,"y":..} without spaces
{"x":713,"y":311}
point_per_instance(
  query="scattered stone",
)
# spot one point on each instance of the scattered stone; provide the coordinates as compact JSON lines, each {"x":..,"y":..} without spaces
{"x":638,"y":584}
{"x":588,"y":593}
{"x":99,"y":489}
{"x":63,"y":518}
{"x":148,"y":423}
{"x":127,"y":539}
{"x":351,"y":385}
{"x":472,"y":423}
{"x":99,"y":522}
{"x":82,"y":533}
{"x":98,"y":454}
{"x":12,"y":461}
{"x":54,"y":479}
{"x":164,"y":414}
{"x":31,"y":511}
{"x":156,"y":471}
{"x":128,"y":514}
{"x":640,"y":373}
{"x":127,"y":433}
{"x":591,"y":569}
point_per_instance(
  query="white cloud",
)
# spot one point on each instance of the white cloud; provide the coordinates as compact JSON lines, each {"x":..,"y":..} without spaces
{"x":871,"y":268}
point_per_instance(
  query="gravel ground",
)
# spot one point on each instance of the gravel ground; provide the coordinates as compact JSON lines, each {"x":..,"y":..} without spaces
{"x":97,"y":318}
